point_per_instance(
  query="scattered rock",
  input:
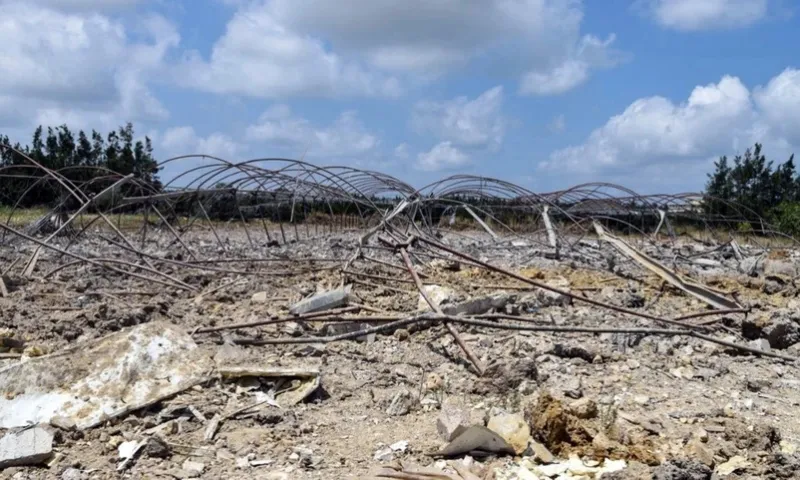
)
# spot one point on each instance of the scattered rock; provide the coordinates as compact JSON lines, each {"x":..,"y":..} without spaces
{"x":761,"y":344}
{"x":681,"y":469}
{"x":501,"y":377}
{"x":541,"y":453}
{"x":63,"y":423}
{"x":401,"y":334}
{"x":157,"y":448}
{"x":401,"y":403}
{"x":733,"y":465}
{"x":322,"y":301}
{"x":27,"y":447}
{"x":584,"y":408}
{"x":194,"y":467}
{"x":384,"y":455}
{"x":259,"y":297}
{"x":439,"y":295}
{"x":513,"y":428}
{"x":572,"y":351}
{"x":452,"y":416}
{"x":782,"y":334}
{"x":573,"y":388}
{"x":696,"y":450}
{"x":73,"y":474}
{"x":400,"y":446}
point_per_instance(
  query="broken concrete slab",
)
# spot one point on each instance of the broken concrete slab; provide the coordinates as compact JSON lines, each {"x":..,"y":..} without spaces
{"x":438,"y":294}
{"x":102,"y":379}
{"x":26,"y":447}
{"x":322,"y":301}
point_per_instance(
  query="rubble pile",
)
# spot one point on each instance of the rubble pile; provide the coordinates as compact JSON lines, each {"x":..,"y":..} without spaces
{"x":399,"y":342}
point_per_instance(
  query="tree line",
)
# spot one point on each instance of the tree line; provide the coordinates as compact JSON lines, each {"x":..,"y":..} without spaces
{"x":750,"y":184}
{"x":81,"y":158}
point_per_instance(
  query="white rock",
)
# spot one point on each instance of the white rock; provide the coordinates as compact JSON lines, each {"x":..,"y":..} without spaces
{"x":437,"y":294}
{"x":259,"y":297}
{"x":191,"y":466}
{"x":400,"y":446}
{"x":32,"y":446}
{"x":732,"y":465}
{"x":127,"y":450}
{"x":525,"y":474}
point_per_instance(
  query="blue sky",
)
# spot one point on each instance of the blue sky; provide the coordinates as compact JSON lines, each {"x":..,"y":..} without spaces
{"x":544,"y":93}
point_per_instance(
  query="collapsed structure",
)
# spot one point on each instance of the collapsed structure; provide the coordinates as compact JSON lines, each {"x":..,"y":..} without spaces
{"x":465,"y":254}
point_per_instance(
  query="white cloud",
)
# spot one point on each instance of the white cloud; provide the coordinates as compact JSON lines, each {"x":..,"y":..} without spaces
{"x":185,"y":141}
{"x":345,"y":137}
{"x":79,"y":67}
{"x":260,"y":57}
{"x":275,"y":48}
{"x":443,"y":156}
{"x":691,"y":15}
{"x":779,"y":101}
{"x":477,"y":123}
{"x":81,"y":4}
{"x":558,"y":124}
{"x":717,"y":119}
{"x":591,"y":52}
{"x":401,"y":151}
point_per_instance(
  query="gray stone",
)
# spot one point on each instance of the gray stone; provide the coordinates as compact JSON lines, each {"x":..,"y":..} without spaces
{"x":194,"y":467}
{"x":760,"y":344}
{"x":73,"y":474}
{"x":780,"y":267}
{"x":322,"y":301}
{"x":479,"y":305}
{"x":452,"y":416}
{"x":63,"y":423}
{"x":400,"y":404}
{"x":682,"y":470}
{"x":259,"y":297}
{"x":541,"y":453}
{"x":30,"y":446}
{"x":333,"y":329}
{"x":156,"y":447}
{"x":782,"y":334}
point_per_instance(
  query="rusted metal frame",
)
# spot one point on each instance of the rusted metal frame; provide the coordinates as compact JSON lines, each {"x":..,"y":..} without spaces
{"x":171,"y":229}
{"x":435,"y":306}
{"x":433,"y":317}
{"x":271,"y":321}
{"x":100,"y":264}
{"x":544,"y":286}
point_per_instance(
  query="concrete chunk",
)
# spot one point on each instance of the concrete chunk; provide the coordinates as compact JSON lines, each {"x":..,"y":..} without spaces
{"x":322,"y":301}
{"x":31,"y":446}
{"x":452,"y":416}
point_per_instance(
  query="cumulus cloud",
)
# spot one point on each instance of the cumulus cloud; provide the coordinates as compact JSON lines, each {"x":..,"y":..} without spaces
{"x":274,"y":48}
{"x":689,"y":15}
{"x":184,"y":140}
{"x":718,"y":118}
{"x":779,"y":102}
{"x":464,"y":122}
{"x":443,"y":156}
{"x":82,"y":4}
{"x":260,"y":57}
{"x":79,"y":67}
{"x":345,"y":137}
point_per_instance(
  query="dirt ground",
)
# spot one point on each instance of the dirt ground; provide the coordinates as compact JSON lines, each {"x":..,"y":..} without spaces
{"x":672,"y":407}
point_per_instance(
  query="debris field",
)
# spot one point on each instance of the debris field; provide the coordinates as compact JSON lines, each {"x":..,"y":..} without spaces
{"x":280,"y":320}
